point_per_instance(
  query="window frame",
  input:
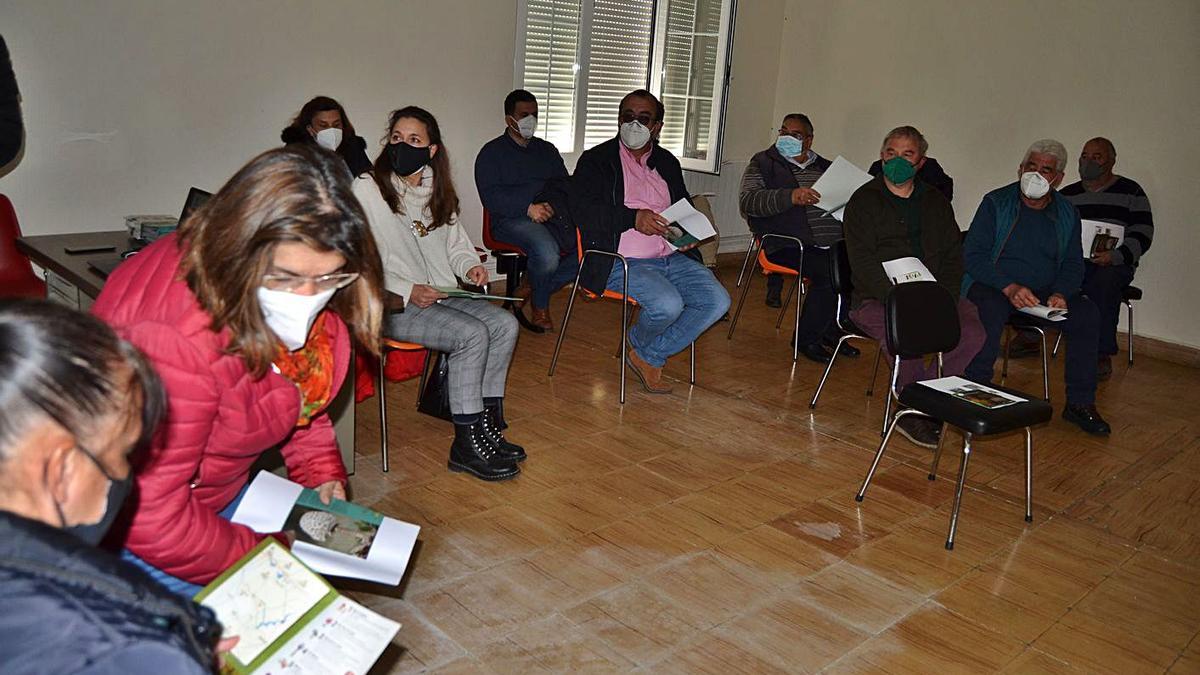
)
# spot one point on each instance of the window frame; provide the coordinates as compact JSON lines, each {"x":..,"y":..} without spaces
{"x":655,"y":67}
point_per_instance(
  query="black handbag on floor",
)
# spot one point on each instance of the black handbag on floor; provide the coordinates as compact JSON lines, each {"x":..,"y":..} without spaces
{"x":435,"y":397}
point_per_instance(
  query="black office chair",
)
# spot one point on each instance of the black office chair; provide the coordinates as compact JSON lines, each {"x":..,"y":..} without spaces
{"x":839,"y":275}
{"x":921,"y":319}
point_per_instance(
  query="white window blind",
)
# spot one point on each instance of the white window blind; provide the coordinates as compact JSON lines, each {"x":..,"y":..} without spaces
{"x":580,"y":57}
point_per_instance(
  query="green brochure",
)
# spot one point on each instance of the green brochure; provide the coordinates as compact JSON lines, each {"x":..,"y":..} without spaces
{"x":288,"y":618}
{"x":456,"y":292}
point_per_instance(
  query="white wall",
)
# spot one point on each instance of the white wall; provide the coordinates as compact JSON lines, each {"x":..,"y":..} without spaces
{"x":982,"y":80}
{"x":127,"y":103}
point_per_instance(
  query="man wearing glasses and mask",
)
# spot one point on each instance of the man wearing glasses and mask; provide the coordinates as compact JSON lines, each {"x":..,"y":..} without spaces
{"x":777,"y":198}
{"x":619,"y":189}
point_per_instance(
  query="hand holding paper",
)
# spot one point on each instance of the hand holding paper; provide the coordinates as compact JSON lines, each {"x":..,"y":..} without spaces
{"x":838,"y":182}
{"x":687,"y":225}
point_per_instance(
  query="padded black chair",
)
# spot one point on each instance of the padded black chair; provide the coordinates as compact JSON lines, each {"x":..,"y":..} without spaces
{"x":839,"y":275}
{"x":922,"y":319}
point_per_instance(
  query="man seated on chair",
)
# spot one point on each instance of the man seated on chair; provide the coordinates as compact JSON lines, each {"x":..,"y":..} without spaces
{"x":510,"y":172}
{"x":1023,"y":250}
{"x":1104,"y":196}
{"x":777,"y":198}
{"x":619,"y":189}
{"x":896,"y":215}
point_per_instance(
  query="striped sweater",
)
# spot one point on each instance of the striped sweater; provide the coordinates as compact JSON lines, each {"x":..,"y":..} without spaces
{"x":1123,"y":203}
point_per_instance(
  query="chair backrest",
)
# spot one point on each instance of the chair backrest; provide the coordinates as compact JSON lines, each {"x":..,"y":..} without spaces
{"x":14,"y":267}
{"x":839,"y":268}
{"x":487,"y":230}
{"x":921,"y":318}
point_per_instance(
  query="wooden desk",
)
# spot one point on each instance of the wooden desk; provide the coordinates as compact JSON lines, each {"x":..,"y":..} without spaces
{"x":70,"y":281}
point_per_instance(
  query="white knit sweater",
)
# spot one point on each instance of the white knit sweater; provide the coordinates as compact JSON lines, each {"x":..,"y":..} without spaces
{"x":435,"y":259}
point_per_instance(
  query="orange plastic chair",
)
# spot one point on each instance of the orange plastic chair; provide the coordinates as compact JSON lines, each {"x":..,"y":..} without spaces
{"x":390,"y":344}
{"x":512,"y":262}
{"x":626,"y":301}
{"x":769,"y":268}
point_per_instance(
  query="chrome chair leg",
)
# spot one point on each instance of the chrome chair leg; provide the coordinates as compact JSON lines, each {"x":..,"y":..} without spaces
{"x":783,"y":305}
{"x":745,"y":262}
{"x":562,"y":333}
{"x":692,"y":360}
{"x":1129,"y":331}
{"x":624,"y":329}
{"x":937,"y":453}
{"x":1057,"y":344}
{"x":741,"y":302}
{"x":874,"y":370}
{"x":828,"y":367}
{"x":1045,"y":367}
{"x":962,"y":477}
{"x":1008,"y":337}
{"x":1028,"y":475}
{"x":891,"y":394}
{"x":383,"y":429}
{"x":887,"y":436}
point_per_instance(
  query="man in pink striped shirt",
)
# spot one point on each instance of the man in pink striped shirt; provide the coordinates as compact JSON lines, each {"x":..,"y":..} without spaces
{"x":620,"y":188}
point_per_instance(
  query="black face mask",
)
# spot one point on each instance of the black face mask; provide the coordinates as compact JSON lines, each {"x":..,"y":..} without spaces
{"x":407,"y":159}
{"x":118,"y":490}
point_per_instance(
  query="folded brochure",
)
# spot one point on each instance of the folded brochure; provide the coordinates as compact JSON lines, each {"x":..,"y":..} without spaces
{"x":687,"y":225}
{"x":456,"y":292}
{"x":1044,"y":312}
{"x":1099,"y":236}
{"x":971,"y":392}
{"x":289,"y":620}
{"x":340,"y":538}
{"x":905,"y":270}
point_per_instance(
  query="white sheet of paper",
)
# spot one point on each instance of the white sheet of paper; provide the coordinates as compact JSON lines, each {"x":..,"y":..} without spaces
{"x":269,"y":500}
{"x":1044,"y":312}
{"x":904,"y":270}
{"x":838,"y":182}
{"x":839,"y":215}
{"x":686,"y":216}
{"x":345,"y":637}
{"x":956,"y":386}
{"x":1090,"y":228}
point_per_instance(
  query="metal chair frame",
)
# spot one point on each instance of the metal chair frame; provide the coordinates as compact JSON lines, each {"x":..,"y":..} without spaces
{"x":1128,"y":302}
{"x":757,"y":246}
{"x":846,"y":335}
{"x":626,"y":301}
{"x":1008,"y":337}
{"x":937,"y":455}
{"x":746,"y":261}
{"x":396,"y":345}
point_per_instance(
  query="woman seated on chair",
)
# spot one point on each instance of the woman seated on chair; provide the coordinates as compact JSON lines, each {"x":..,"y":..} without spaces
{"x":323,"y":121}
{"x":74,"y":402}
{"x":231,"y":310}
{"x":413,"y":211}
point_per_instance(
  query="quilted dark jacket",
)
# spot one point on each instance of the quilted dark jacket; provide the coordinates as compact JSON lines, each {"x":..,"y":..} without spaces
{"x":73,"y":608}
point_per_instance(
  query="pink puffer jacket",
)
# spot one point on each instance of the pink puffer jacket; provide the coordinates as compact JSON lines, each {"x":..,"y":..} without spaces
{"x":219,"y":420}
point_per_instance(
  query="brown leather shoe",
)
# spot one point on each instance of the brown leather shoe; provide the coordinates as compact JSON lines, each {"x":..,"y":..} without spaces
{"x":648,"y":375}
{"x":541,"y":318}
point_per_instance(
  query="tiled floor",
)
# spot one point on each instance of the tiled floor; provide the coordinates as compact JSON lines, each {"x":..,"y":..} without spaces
{"x":715,"y":530}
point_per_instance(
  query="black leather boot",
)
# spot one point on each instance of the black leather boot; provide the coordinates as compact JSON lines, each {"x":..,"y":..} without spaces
{"x":473,"y":452}
{"x":491,"y":428}
{"x":497,"y":408}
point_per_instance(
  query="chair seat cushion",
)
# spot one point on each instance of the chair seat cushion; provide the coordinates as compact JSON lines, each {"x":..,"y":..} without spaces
{"x":976,"y":419}
{"x":1131,"y":293}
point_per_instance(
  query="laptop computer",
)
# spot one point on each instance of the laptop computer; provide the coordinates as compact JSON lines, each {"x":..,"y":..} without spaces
{"x":104,"y":266}
{"x":195,"y":199}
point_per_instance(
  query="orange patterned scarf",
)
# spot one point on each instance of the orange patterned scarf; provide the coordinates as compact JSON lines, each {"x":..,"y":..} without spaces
{"x":311,"y":369}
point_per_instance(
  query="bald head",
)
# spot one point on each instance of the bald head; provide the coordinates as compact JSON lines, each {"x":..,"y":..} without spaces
{"x":1096,"y":162}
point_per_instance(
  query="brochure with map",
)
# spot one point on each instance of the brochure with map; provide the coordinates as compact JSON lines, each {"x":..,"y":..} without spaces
{"x":290,"y":620}
{"x":971,"y":392}
{"x":339,"y":538}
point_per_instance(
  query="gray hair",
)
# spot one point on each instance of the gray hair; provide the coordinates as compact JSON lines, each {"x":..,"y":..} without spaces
{"x":906,"y":131}
{"x":801,"y":118}
{"x":1048,"y":146}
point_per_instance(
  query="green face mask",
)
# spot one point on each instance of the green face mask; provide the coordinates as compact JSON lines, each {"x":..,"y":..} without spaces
{"x":898,"y":171}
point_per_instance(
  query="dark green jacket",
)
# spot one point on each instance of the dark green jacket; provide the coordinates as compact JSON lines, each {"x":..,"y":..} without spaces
{"x":876,"y":233}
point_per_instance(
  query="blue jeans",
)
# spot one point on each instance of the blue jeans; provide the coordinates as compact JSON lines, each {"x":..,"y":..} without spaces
{"x":173,"y":583}
{"x":548,"y":270}
{"x":680,"y":299}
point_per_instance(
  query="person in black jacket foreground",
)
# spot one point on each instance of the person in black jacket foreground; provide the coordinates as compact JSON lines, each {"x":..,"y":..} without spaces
{"x":620,"y":188}
{"x":74,"y":400}
{"x":323,"y":121}
{"x":12,"y":130}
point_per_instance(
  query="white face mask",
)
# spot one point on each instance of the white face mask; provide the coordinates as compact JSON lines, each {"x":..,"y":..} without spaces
{"x":1034,"y":185}
{"x":527,"y":126}
{"x":329,"y":138}
{"x":634,"y":135}
{"x":291,"y":315}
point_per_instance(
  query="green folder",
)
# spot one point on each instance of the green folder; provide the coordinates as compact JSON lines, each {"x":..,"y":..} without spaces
{"x":456,"y":292}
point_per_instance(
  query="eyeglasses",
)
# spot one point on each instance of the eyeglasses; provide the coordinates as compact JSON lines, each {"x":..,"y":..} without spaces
{"x":799,"y":135}
{"x":290,"y":283}
{"x":645,"y":120}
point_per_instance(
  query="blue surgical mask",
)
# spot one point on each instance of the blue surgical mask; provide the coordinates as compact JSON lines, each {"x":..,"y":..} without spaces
{"x":789,"y":146}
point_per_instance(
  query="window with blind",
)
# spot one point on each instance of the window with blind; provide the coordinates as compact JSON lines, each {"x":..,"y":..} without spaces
{"x":580,"y":57}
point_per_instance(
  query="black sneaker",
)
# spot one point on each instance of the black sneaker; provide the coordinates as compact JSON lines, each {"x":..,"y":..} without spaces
{"x":920,"y":430}
{"x":848,"y":350}
{"x":1086,"y":417}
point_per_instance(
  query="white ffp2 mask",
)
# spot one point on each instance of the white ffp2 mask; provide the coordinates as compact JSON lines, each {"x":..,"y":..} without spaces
{"x":290,"y":315}
{"x":329,"y":138}
{"x":527,"y":126}
{"x":635,"y":135}
{"x":1034,"y":185}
